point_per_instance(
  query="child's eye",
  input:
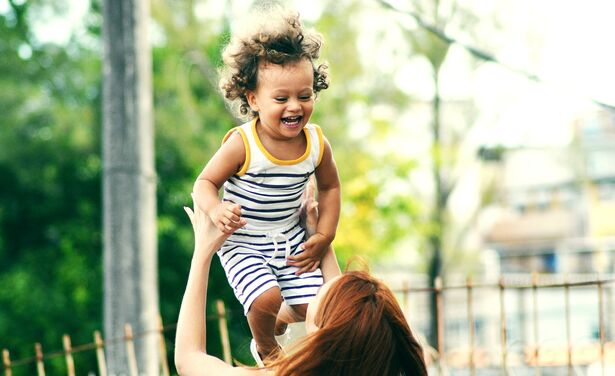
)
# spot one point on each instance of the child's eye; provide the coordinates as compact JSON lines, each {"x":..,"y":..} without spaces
{"x":305,"y":97}
{"x":280,"y":99}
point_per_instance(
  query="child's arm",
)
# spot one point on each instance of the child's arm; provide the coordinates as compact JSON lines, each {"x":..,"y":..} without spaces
{"x":329,"y":265}
{"x":329,"y":207}
{"x":226,"y":162}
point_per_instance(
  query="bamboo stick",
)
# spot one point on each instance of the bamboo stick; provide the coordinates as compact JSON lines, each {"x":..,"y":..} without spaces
{"x":130,"y":350}
{"x":100,"y":354}
{"x":164,"y":362}
{"x":68,"y":355}
{"x":224,"y":337}
{"x":40,"y":367}
{"x":6,"y":362}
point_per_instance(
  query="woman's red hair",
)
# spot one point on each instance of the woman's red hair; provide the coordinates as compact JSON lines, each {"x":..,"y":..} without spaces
{"x":362,"y":331}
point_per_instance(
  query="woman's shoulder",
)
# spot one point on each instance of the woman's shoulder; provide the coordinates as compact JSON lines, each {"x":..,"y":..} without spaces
{"x":198,"y":363}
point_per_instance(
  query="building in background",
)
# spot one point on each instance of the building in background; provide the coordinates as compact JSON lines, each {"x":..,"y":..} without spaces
{"x":555,"y":217}
{"x":558,"y":205}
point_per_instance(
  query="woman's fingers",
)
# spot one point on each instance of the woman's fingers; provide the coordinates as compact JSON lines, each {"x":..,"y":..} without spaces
{"x":190,"y":213}
{"x":309,"y":192}
{"x":312,"y":206}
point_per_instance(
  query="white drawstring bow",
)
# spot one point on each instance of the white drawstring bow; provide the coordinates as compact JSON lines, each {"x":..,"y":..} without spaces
{"x":274,"y":237}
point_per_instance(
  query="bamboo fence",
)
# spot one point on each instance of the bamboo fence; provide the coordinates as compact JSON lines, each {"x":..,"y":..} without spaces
{"x":537,"y":355}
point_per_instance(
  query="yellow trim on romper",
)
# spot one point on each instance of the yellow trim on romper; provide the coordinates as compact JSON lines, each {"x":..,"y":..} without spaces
{"x":321,"y":142}
{"x":246,"y":163}
{"x":283,"y":162}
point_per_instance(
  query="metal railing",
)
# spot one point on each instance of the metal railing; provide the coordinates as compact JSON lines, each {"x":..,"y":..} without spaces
{"x":537,"y":355}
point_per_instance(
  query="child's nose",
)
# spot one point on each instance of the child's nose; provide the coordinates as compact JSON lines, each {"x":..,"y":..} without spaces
{"x":293,"y":105}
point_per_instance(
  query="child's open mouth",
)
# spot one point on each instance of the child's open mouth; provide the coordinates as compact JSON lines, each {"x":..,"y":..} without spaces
{"x":292,"y":121}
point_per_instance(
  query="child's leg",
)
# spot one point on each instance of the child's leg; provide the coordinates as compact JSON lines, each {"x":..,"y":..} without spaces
{"x":289,"y":314}
{"x":262,"y":318}
{"x":328,"y":265}
{"x":295,"y":313}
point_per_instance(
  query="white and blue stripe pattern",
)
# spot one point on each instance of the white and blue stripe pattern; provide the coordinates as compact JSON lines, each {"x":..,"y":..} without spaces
{"x":270,"y":193}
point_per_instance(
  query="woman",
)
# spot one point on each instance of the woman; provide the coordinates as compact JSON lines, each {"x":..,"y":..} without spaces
{"x":354,"y":324}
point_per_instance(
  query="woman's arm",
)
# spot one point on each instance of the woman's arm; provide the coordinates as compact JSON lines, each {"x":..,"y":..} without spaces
{"x":329,"y":266}
{"x":191,"y":356}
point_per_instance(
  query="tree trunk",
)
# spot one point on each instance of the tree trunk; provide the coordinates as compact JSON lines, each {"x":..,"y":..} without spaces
{"x":129,"y":185}
{"x":437,"y":220}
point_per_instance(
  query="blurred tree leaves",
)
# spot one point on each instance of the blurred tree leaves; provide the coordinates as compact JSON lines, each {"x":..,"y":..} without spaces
{"x":49,"y":188}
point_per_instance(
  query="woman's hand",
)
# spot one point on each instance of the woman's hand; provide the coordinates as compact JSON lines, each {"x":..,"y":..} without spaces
{"x":206,"y":235}
{"x":309,"y":209}
{"x":309,"y":260}
{"x":191,"y":356}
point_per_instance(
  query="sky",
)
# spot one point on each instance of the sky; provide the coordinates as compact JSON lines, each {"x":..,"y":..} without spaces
{"x":571,"y":54}
{"x":568,"y":44}
{"x":564,"y":43}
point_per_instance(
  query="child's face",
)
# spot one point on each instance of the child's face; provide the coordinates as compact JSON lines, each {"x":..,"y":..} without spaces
{"x":284,"y":98}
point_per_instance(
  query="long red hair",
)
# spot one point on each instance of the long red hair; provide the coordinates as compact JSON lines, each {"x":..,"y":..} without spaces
{"x":362,"y":331}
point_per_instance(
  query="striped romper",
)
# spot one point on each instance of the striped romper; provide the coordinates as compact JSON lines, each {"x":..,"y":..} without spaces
{"x":270,"y":192}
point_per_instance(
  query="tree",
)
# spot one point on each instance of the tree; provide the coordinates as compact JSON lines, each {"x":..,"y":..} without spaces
{"x":129,"y":183}
{"x":49,"y":189}
{"x":447,"y":162}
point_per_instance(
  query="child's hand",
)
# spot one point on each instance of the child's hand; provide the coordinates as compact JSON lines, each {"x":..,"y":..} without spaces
{"x":313,"y":250}
{"x":227,"y":217}
{"x":206,"y":235}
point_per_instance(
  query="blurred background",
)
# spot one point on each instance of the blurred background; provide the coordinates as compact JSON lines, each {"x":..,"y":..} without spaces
{"x":473,"y":139}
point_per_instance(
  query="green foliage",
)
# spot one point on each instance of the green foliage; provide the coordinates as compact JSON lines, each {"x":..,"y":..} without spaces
{"x":49,"y":191}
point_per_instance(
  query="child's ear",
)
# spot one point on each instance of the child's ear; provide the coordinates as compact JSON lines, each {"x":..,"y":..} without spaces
{"x":251,"y":97}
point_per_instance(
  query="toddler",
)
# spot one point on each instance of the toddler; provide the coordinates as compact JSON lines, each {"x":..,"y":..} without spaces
{"x":264,"y":165}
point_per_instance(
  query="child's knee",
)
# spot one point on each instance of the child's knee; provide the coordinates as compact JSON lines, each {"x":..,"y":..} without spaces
{"x":268,"y":302}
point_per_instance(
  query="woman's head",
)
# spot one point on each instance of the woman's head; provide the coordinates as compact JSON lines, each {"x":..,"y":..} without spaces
{"x":359,"y":330}
{"x":275,"y":37}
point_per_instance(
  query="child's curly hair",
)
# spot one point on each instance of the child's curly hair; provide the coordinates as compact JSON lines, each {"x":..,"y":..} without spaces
{"x":275,"y":37}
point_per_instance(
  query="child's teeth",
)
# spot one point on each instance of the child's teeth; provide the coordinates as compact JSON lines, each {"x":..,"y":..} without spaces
{"x":291,"y":119}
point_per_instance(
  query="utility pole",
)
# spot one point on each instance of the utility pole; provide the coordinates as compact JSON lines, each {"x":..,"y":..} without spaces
{"x":129,"y":185}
